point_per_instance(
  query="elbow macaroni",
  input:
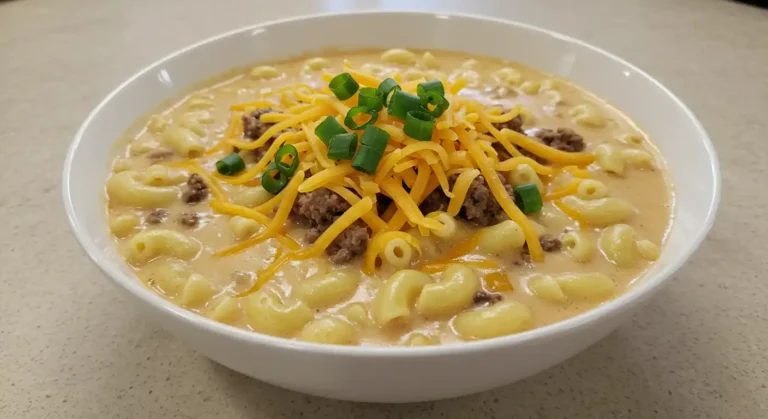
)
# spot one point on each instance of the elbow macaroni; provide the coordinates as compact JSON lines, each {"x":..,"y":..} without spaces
{"x":159,"y":175}
{"x":399,"y":56}
{"x":505,"y":237}
{"x":396,"y":297}
{"x":398,"y":253}
{"x":501,"y":319}
{"x":619,"y":245}
{"x":328,"y":289}
{"x":197,"y":291}
{"x":588,"y":116}
{"x":458,"y":284}
{"x":123,"y":225}
{"x":150,"y":244}
{"x":264,"y":72}
{"x":601,"y":212}
{"x":330,"y":330}
{"x":124,"y":188}
{"x":243,"y":228}
{"x":587,"y":286}
{"x":252,"y":197}
{"x":267,"y":313}
{"x":579,"y":245}
{"x":183,"y":142}
{"x":591,"y":189}
{"x":449,"y":224}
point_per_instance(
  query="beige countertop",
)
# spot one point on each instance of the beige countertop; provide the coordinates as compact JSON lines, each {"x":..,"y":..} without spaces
{"x":72,"y":346}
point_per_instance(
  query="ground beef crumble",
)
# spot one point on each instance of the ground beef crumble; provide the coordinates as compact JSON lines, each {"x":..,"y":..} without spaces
{"x":157,"y":216}
{"x":480,"y":206}
{"x":189,"y":219}
{"x":564,"y":139}
{"x":485,"y":297}
{"x":196,"y":190}
{"x":319,"y":209}
{"x":514,"y":124}
{"x":253,"y":128}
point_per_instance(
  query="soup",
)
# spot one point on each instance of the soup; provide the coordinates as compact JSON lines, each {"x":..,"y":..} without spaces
{"x":394,"y":198}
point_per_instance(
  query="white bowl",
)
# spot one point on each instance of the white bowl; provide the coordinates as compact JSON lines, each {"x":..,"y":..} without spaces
{"x":396,"y":374}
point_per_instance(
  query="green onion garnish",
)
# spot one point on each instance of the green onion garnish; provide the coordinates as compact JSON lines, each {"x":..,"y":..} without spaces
{"x":434,"y":98}
{"x":343,"y":86}
{"x":385,"y":88}
{"x":370,"y":98}
{"x":366,"y":160}
{"x":430,"y":86}
{"x":273,"y":184}
{"x":287,"y":169}
{"x":401,"y":103}
{"x":328,"y":128}
{"x":375,"y":138}
{"x":230,"y":165}
{"x":343,"y":146}
{"x":527,"y":198}
{"x":419,"y":125}
{"x":349,"y":120}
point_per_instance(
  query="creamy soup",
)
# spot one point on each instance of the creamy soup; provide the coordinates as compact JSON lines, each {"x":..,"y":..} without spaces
{"x":389,"y":198}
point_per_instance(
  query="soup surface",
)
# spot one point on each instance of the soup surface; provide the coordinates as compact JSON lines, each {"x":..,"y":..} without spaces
{"x":479,"y":198}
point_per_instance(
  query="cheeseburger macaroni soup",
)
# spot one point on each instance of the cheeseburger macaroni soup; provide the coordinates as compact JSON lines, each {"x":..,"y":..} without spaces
{"x":394,"y":198}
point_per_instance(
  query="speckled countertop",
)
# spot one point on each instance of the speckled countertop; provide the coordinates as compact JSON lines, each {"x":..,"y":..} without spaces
{"x":72,"y":346}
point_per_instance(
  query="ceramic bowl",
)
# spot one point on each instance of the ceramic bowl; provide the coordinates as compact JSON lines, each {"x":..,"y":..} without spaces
{"x":396,"y":374}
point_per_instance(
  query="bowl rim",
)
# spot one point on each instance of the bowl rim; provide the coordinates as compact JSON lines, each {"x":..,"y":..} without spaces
{"x":633,"y":296}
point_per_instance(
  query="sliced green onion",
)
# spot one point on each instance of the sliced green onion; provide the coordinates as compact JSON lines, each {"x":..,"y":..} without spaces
{"x":273,"y":184}
{"x":349,"y":120}
{"x":527,"y":198}
{"x":343,"y":86}
{"x":401,"y":103}
{"x":370,"y":98}
{"x":230,"y":165}
{"x":343,"y":146}
{"x":375,"y":138}
{"x":430,"y":86}
{"x":419,"y":125}
{"x":385,"y":88}
{"x":366,"y":160}
{"x":328,"y":128}
{"x":290,"y":168}
{"x":434,"y":98}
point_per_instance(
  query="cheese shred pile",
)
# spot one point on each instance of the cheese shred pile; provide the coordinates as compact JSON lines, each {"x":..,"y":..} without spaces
{"x":462,"y":144}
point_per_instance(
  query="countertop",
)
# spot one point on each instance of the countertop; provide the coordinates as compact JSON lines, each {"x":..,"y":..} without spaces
{"x":72,"y":346}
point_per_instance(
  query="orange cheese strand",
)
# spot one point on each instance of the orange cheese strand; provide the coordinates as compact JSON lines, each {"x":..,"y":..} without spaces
{"x":274,"y":129}
{"x":250,"y":174}
{"x":439,"y":267}
{"x":370,"y":218}
{"x":231,"y":209}
{"x":501,"y":195}
{"x":350,"y":216}
{"x":566,"y":190}
{"x":234,"y":131}
{"x":497,"y":282}
{"x":577,"y":172}
{"x":325,"y":177}
{"x":511,"y":164}
{"x":276,"y":225}
{"x":572,"y":214}
{"x":460,"y":189}
{"x":216,"y":191}
{"x":551,"y":154}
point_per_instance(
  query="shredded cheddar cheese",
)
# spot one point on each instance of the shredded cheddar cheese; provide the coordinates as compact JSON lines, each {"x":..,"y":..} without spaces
{"x":460,"y":189}
{"x":466,"y":143}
